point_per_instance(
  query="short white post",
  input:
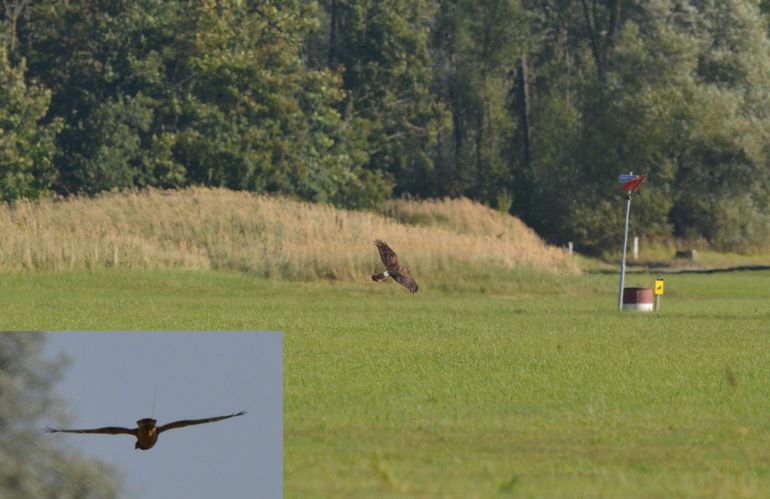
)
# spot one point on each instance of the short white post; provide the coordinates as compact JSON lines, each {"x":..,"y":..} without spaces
{"x":636,"y":248}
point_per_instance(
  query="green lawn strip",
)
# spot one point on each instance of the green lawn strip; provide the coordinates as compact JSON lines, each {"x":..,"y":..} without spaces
{"x":506,"y":391}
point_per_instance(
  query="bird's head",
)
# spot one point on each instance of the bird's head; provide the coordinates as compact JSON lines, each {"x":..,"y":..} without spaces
{"x":146,"y":423}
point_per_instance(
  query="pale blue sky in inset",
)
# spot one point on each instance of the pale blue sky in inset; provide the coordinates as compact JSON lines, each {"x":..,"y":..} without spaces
{"x":112,"y":380}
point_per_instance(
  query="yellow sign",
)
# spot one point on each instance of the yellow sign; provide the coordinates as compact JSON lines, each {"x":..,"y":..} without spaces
{"x":659,"y":286}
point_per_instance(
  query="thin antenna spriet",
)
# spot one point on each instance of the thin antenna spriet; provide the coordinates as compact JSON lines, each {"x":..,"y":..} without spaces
{"x":154,"y":398}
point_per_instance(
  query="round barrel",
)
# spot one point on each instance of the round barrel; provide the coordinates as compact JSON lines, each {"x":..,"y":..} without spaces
{"x":638,"y":299}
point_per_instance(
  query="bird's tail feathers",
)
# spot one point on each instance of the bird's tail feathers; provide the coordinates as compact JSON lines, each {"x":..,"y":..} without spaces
{"x":380,"y":277}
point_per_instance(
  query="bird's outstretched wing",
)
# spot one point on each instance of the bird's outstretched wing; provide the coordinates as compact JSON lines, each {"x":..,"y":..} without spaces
{"x":189,"y":422}
{"x":404,"y":279}
{"x":387,"y":255}
{"x":108,"y":430}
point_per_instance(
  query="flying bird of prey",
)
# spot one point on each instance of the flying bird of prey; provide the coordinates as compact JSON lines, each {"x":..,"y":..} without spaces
{"x":146,"y":432}
{"x":393,"y":269}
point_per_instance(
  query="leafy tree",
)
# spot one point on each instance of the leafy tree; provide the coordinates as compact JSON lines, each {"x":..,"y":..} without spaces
{"x":478,"y":50}
{"x":216,"y":93}
{"x":382,"y":49}
{"x":31,"y":465}
{"x":658,"y":88}
{"x":257,"y":119}
{"x":26,"y":144}
{"x":722,"y":190}
{"x":92,"y":55}
{"x":623,"y":120}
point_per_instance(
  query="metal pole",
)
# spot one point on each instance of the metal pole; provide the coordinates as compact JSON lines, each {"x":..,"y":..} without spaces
{"x":623,"y":261}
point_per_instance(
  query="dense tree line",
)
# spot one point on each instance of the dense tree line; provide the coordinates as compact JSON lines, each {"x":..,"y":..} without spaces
{"x":532,"y":106}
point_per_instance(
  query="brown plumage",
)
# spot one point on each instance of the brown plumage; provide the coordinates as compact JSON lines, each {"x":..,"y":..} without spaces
{"x":393,"y":269}
{"x":146,"y":432}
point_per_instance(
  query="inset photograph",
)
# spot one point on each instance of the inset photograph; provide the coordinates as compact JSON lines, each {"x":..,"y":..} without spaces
{"x":145,"y":415}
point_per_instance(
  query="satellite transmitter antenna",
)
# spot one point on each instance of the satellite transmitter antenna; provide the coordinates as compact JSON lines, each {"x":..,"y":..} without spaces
{"x":154,"y":398}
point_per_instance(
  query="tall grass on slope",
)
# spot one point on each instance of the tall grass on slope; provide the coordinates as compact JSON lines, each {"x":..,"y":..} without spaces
{"x":465,"y":217}
{"x":202,"y":228}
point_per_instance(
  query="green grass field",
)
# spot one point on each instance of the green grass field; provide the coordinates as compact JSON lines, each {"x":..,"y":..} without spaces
{"x":511,"y":385}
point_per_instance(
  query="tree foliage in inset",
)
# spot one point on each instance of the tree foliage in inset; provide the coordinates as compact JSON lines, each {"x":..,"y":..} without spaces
{"x":32,"y":466}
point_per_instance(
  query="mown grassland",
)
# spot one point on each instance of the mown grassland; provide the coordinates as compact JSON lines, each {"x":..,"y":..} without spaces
{"x":514,"y":384}
{"x":509,"y":373}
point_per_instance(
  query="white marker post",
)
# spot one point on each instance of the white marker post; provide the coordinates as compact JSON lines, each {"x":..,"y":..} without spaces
{"x":630,"y":183}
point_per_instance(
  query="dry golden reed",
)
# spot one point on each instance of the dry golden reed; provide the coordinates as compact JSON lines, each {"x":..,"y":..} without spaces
{"x":200,"y":228}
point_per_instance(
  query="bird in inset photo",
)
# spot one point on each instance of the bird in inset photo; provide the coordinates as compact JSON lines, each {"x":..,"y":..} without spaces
{"x":393,"y":269}
{"x":146,"y":432}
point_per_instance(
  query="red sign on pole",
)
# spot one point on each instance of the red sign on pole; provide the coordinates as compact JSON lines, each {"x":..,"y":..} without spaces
{"x":631,"y":183}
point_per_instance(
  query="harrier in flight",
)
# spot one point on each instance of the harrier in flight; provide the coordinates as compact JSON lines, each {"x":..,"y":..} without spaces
{"x":146,"y":432}
{"x":393,"y":269}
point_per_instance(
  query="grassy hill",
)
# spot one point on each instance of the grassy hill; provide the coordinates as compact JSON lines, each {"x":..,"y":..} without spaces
{"x":265,"y":236}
